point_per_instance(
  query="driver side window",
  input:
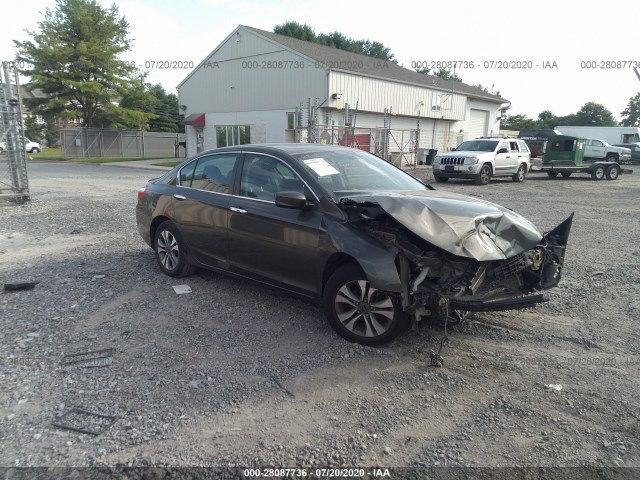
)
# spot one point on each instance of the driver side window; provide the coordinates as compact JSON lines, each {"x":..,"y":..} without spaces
{"x":263,"y":176}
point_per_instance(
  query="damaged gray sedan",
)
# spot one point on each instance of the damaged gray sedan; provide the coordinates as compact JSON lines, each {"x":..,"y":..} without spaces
{"x":370,"y":243}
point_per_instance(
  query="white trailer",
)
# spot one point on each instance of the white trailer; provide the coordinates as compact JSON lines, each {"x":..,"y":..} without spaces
{"x":612,"y":135}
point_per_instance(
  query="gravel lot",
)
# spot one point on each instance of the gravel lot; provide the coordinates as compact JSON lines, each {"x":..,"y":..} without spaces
{"x":236,"y":373}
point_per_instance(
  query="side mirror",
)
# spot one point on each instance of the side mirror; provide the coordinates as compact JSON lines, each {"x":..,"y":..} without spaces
{"x":503,"y":150}
{"x":452,"y":149}
{"x":292,"y":199}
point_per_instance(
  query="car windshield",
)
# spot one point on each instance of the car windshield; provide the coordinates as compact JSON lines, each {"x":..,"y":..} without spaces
{"x":477,"y":146}
{"x":340,"y":170}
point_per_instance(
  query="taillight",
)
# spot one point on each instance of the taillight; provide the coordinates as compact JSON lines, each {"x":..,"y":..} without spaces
{"x":141,"y":193}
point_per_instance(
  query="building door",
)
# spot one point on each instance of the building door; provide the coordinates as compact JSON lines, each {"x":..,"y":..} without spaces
{"x":479,"y":123}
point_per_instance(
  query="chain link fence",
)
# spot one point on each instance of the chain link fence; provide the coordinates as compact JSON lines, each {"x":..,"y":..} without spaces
{"x":98,"y":142}
{"x":399,"y":147}
{"x":14,"y":181}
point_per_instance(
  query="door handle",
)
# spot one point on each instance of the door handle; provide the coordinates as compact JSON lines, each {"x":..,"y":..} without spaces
{"x":238,"y":210}
{"x":179,"y":197}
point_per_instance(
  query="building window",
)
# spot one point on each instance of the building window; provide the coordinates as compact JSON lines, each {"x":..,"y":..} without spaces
{"x":291,"y":121}
{"x":436,"y":101}
{"x":229,"y":135}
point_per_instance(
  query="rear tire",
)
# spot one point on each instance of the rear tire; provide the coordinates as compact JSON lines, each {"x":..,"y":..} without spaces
{"x":358,"y":312}
{"x":484,"y":177}
{"x":553,"y":174}
{"x":566,"y":174}
{"x":518,"y":177}
{"x":613,"y":172}
{"x":171,"y":251}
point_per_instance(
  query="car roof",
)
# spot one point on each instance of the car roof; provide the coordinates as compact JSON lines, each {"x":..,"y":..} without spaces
{"x":493,"y":138}
{"x":289,"y":148}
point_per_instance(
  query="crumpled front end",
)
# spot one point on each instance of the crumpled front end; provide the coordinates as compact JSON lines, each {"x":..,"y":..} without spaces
{"x":456,"y":254}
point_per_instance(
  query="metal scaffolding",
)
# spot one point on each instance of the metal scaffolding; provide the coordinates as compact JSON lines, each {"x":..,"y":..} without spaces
{"x":14,"y":182}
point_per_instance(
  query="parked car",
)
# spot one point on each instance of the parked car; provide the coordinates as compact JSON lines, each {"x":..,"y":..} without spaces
{"x":484,"y":158}
{"x":29,"y":146}
{"x":373,"y":245}
{"x":635,"y":150}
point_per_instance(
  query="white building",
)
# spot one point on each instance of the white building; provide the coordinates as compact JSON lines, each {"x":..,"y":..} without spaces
{"x":250,"y":87}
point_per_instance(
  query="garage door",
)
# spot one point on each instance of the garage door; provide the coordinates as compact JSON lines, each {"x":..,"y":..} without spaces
{"x":479,"y":123}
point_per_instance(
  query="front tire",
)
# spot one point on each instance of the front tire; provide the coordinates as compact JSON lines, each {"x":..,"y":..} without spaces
{"x":359,"y":312}
{"x":34,"y":150}
{"x":566,"y":174}
{"x":598,"y":173}
{"x":552,"y":174}
{"x":484,"y":177}
{"x":518,"y":177}
{"x":440,"y":179}
{"x":171,"y":251}
{"x":611,"y":158}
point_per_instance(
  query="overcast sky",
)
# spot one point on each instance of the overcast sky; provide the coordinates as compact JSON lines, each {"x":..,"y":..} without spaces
{"x":532,"y":33}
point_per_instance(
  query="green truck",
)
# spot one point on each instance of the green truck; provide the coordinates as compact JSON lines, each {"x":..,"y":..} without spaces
{"x":564,"y":156}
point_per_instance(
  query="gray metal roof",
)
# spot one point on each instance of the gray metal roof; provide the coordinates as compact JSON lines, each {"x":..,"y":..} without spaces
{"x":361,"y":64}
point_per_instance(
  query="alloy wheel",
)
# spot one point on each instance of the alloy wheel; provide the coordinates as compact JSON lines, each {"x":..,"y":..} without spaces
{"x":364,"y":310}
{"x":168,"y":250}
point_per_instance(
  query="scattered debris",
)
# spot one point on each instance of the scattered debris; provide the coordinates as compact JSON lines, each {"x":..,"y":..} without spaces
{"x":195,"y":383}
{"x":553,"y":387}
{"x":75,"y":231}
{"x":98,"y":277}
{"x":595,"y":274}
{"x":285,"y":389}
{"x":96,"y":358}
{"x":182,"y":289}
{"x":12,"y":287}
{"x":84,"y":421}
{"x":387,"y":450}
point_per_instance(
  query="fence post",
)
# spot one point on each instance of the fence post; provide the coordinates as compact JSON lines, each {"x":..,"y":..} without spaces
{"x":142,"y":132}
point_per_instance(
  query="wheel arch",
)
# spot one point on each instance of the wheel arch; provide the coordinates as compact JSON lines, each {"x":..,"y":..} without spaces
{"x":335,"y":262}
{"x":155,"y":223}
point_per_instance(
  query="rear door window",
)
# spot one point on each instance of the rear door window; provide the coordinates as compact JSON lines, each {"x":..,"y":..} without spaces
{"x":523,"y":146}
{"x":214,"y":172}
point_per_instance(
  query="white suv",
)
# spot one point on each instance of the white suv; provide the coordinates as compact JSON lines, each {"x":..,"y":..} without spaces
{"x":484,"y":158}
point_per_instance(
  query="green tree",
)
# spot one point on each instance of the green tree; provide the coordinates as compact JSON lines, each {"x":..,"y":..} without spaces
{"x":336,"y":39}
{"x":52,"y":133}
{"x":518,"y":122}
{"x":74,"y":58}
{"x":631,"y":114}
{"x":166,"y":111}
{"x":447,"y":75}
{"x":33,"y":129}
{"x":424,"y":70}
{"x":301,"y":31}
{"x":481,"y":87}
{"x":547,"y":119}
{"x":595,"y":115}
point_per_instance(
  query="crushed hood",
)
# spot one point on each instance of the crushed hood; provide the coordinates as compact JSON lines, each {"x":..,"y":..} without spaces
{"x":461,"y":225}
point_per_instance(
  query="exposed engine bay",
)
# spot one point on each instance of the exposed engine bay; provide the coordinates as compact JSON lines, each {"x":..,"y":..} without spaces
{"x":453,"y":259}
